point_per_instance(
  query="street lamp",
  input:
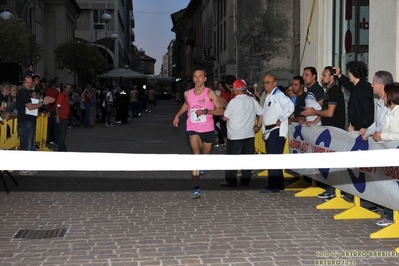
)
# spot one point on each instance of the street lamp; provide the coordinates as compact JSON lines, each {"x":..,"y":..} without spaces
{"x":113,"y":37}
{"x":105,"y":18}
{"x":7,"y":15}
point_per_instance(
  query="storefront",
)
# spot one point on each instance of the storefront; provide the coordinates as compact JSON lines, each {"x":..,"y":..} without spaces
{"x":346,"y":30}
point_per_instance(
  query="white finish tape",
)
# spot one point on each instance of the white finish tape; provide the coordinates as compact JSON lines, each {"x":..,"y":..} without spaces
{"x":85,"y":161}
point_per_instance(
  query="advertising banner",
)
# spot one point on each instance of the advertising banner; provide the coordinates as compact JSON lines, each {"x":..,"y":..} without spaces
{"x":376,"y":184}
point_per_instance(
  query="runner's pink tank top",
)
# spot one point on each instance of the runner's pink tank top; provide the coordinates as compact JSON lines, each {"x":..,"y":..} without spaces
{"x":202,"y":123}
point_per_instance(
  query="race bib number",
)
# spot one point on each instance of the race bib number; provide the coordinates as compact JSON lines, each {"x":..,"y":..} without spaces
{"x":197,"y":118}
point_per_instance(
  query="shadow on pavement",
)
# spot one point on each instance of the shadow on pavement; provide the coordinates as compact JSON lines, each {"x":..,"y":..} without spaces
{"x":112,"y":182}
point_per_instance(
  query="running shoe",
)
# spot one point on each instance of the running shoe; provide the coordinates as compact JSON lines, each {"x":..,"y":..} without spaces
{"x":196,"y":193}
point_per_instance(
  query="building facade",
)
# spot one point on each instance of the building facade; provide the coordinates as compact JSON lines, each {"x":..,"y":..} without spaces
{"x":340,"y":32}
{"x":168,"y":63}
{"x":165,"y":66}
{"x":238,"y":38}
{"x":113,"y":34}
{"x":270,"y":36}
{"x":53,"y":23}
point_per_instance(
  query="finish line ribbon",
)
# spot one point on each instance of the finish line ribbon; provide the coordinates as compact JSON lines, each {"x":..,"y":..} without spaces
{"x":87,"y":161}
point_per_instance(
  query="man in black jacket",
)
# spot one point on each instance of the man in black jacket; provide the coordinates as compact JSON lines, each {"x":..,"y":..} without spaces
{"x":361,"y":100}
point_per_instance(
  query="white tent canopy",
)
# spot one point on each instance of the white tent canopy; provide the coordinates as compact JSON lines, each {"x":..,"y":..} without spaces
{"x":126,"y":73}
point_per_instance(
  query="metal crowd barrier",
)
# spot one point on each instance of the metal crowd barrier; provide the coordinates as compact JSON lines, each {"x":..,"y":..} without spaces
{"x":9,"y":140}
{"x":327,"y":139}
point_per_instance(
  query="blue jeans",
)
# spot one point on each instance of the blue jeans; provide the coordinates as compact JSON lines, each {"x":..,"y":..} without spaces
{"x":62,"y":130}
{"x":388,"y":214}
{"x":27,"y":135}
{"x":275,"y":145}
{"x":87,"y":115}
{"x":240,"y":146}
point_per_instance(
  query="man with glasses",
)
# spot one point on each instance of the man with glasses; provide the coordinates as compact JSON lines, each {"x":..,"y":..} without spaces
{"x":276,"y":111}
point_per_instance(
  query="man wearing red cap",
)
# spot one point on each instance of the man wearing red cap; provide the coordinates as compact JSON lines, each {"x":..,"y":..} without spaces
{"x":201,"y":104}
{"x":240,"y":115}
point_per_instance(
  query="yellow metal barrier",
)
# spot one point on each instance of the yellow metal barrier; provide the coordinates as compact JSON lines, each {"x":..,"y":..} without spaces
{"x":41,"y":132}
{"x":352,"y":210}
{"x":357,"y":212}
{"x":391,"y":231}
{"x":335,"y":203}
{"x":312,"y":191}
{"x":260,"y":148}
{"x":301,"y":184}
{"x":9,"y":134}
{"x":9,"y":139}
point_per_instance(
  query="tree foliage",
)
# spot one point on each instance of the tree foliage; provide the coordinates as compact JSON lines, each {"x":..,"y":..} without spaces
{"x":18,"y":43}
{"x":80,"y":57}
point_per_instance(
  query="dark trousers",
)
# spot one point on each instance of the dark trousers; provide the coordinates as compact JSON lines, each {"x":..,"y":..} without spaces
{"x":52,"y":128}
{"x":241,"y":146}
{"x":82,"y":116}
{"x":117,"y":111}
{"x":87,"y":114}
{"x":223,"y":129}
{"x":275,"y":145}
{"x":216,"y":119}
{"x":103,"y":114}
{"x":135,"y":109}
{"x":124,"y":112}
{"x":27,"y":132}
{"x":388,"y":214}
{"x":71,"y":114}
{"x":143,"y":105}
{"x":62,"y":131}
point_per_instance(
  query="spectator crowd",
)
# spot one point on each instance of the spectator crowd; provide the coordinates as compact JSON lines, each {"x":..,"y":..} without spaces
{"x":248,"y":109}
{"x":67,"y":106}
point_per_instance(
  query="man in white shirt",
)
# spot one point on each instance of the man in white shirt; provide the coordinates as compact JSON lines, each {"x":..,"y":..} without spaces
{"x":240,"y":115}
{"x":276,"y":111}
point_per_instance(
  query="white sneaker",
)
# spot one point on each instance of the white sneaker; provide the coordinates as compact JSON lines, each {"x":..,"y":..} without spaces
{"x":28,"y":173}
{"x":384,"y":222}
{"x":239,"y":174}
